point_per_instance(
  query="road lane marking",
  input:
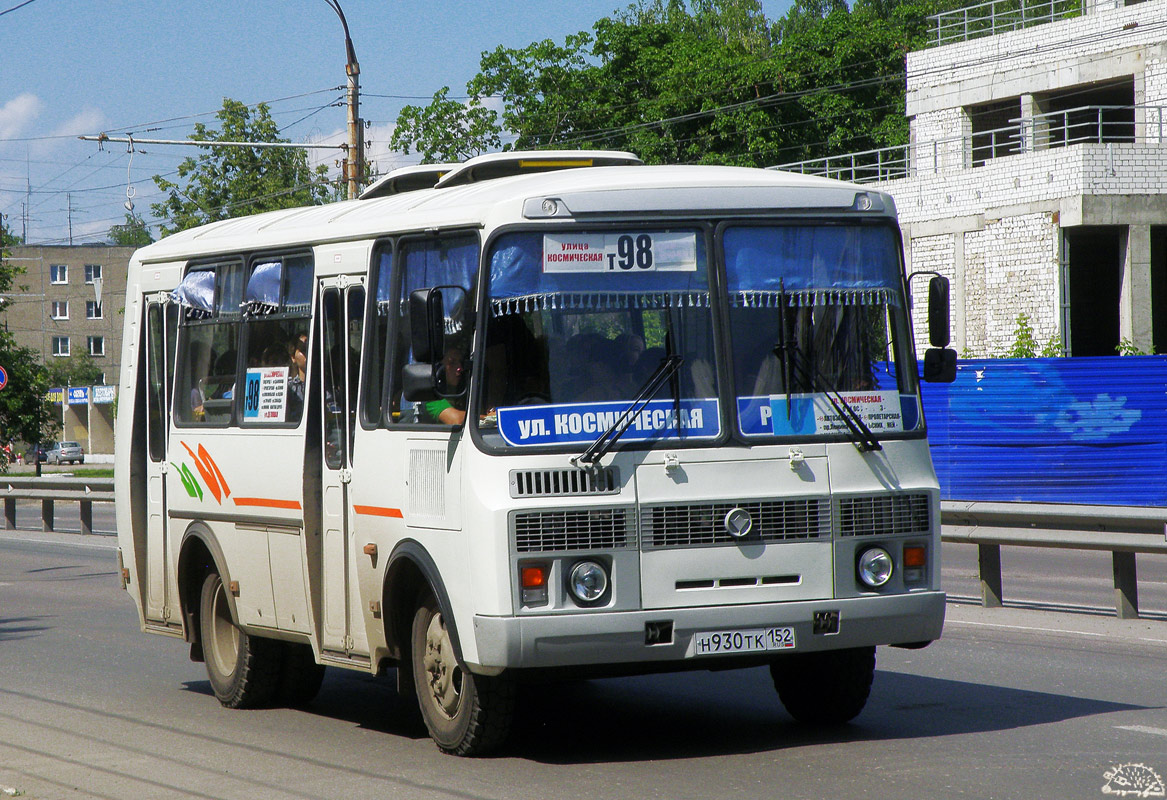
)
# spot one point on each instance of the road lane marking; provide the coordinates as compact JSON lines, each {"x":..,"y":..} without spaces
{"x":1024,"y":628}
{"x":87,"y":542}
{"x":1143,"y":729}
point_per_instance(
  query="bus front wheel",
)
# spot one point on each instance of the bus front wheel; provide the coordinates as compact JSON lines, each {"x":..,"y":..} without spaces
{"x":825,"y":688}
{"x":244,"y":670}
{"x":466,"y":714}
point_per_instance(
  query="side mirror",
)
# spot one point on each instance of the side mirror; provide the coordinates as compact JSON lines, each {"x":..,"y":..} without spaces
{"x":939,"y":365}
{"x":417,"y":382}
{"x":434,"y":314}
{"x":426,"y":324}
{"x":938,"y":313}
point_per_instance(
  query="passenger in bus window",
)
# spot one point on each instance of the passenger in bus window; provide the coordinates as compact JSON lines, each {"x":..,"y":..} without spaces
{"x":593,"y":375}
{"x":200,"y":360}
{"x":444,"y":410}
{"x":298,"y":352}
{"x":630,"y":347}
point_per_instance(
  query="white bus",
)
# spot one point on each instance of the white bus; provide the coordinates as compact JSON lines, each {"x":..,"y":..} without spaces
{"x":533,"y":420}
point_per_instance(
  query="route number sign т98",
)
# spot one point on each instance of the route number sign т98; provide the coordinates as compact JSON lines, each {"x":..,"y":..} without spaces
{"x":620,"y":253}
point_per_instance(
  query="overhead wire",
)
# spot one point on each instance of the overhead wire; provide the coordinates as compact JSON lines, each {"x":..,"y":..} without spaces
{"x":16,"y":7}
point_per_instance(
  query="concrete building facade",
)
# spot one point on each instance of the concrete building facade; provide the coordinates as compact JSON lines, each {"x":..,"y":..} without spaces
{"x":74,"y":303}
{"x":1036,"y":179}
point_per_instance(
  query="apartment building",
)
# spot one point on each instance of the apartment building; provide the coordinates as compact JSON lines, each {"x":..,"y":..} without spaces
{"x":74,"y":304}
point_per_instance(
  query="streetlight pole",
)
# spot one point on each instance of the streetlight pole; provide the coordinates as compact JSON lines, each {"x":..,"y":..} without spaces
{"x":354,"y":162}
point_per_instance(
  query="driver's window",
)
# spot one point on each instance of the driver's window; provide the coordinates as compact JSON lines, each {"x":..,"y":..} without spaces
{"x":445,"y":261}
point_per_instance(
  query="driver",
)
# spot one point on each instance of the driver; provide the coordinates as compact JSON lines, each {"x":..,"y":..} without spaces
{"x":446,"y":411}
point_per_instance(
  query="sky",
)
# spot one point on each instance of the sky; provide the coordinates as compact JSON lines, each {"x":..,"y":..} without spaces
{"x":154,"y":68}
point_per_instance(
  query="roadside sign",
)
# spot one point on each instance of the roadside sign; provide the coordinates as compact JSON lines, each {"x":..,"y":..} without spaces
{"x":3,"y":377}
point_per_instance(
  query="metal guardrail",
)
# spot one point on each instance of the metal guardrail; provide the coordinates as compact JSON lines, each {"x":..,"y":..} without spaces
{"x":52,"y":490}
{"x":1123,"y":531}
{"x":1099,"y":124}
{"x":1000,"y":16}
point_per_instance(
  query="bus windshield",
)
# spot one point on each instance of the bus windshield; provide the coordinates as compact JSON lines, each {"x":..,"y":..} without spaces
{"x":576,"y":324}
{"x":818,"y":309}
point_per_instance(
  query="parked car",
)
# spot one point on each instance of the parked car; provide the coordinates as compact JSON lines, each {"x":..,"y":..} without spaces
{"x":37,"y":453}
{"x":62,"y":452}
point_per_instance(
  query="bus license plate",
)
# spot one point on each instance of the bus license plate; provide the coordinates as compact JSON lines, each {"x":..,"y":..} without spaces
{"x":754,"y":640}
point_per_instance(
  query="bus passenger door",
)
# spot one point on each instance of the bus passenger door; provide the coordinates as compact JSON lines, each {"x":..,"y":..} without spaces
{"x":342,"y":302}
{"x":161,"y":328}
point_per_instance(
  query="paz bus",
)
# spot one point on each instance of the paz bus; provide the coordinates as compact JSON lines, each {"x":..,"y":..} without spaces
{"x":537,"y":414}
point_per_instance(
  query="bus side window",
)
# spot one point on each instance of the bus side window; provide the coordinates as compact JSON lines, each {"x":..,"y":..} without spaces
{"x":207,"y":343}
{"x":376,"y":352}
{"x":276,"y":305}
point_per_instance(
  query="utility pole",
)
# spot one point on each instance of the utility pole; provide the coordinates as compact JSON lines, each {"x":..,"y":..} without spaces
{"x":69,"y":205}
{"x":27,"y":198}
{"x":354,"y":162}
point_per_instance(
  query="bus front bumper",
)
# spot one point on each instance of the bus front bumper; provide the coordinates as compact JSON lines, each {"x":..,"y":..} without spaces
{"x":597,"y":637}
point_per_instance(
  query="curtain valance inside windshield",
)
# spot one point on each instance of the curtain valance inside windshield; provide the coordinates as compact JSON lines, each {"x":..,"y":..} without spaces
{"x":816,"y":298}
{"x":518,"y":283}
{"x":808,"y":262}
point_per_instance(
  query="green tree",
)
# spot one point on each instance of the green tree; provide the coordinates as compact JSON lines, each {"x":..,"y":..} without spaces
{"x":701,"y":81}
{"x":25,"y":412}
{"x":1024,"y":342}
{"x":446,"y":130}
{"x":226,"y":182}
{"x":76,"y":370}
{"x":132,"y":233}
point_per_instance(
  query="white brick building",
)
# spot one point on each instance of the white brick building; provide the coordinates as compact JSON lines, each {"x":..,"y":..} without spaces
{"x":1037,"y":177}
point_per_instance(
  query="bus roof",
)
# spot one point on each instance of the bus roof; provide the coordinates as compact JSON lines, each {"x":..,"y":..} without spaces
{"x":609,"y":193}
{"x":407,"y":179}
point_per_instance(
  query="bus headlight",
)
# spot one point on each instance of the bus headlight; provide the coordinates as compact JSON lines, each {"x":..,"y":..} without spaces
{"x":588,"y":581}
{"x":875,"y":567}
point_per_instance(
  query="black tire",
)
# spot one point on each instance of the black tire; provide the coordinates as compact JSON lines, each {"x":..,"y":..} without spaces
{"x":244,"y":670}
{"x":827,"y":688}
{"x":300,"y":677}
{"x":466,"y":714}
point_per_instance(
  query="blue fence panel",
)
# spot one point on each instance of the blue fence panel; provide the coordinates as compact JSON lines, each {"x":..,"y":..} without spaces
{"x":1053,"y":430}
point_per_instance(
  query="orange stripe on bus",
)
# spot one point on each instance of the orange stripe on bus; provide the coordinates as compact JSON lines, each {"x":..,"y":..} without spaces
{"x":267,"y":502}
{"x":378,"y":511}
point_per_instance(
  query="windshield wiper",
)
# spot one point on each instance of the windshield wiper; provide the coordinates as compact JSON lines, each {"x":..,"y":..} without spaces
{"x":864,"y":438}
{"x":781,"y":347}
{"x":607,"y":440}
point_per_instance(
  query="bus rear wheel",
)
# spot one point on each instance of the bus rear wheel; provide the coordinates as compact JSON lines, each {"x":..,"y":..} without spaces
{"x":244,"y":670}
{"x":466,"y":714}
{"x":827,"y":688}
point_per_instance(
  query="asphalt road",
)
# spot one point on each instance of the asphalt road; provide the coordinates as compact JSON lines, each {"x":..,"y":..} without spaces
{"x":1010,"y":703}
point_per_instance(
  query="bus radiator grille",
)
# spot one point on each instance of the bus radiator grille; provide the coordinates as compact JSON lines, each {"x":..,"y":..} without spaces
{"x":703,"y":524}
{"x":564,"y":482}
{"x":884,"y":515}
{"x":565,"y":531}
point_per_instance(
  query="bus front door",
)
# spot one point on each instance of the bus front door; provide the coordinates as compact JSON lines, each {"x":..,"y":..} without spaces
{"x":161,"y":326}
{"x":342,"y":302}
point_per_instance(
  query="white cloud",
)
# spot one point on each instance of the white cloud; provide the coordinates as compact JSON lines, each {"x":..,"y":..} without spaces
{"x":377,"y":150}
{"x":89,"y":121}
{"x":18,"y":113}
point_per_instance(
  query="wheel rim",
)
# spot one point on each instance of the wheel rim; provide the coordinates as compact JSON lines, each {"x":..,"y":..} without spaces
{"x":224,"y":638}
{"x":443,"y":674}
